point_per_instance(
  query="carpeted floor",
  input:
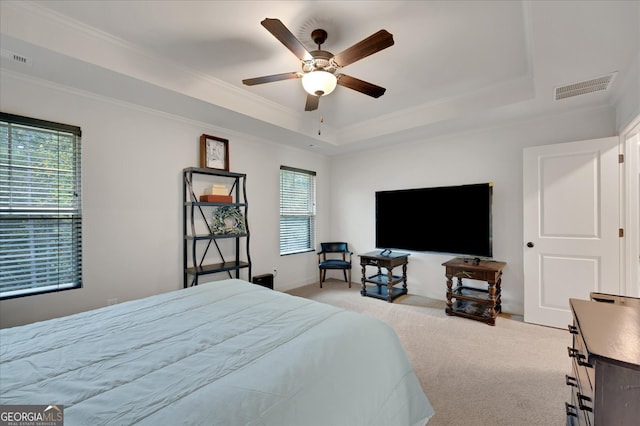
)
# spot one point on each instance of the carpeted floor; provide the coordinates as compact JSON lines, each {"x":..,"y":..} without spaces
{"x":512,"y":374}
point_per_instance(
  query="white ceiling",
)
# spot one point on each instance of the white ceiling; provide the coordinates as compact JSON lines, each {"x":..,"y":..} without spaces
{"x":454,"y":65}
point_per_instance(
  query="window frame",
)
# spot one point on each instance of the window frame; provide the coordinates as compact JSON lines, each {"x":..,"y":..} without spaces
{"x":50,"y":224}
{"x":290,"y":212}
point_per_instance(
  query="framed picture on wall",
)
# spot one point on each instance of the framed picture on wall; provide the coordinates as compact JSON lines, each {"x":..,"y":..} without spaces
{"x":214,"y":153}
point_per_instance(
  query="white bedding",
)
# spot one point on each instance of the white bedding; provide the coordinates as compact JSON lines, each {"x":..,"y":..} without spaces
{"x":222,"y":353}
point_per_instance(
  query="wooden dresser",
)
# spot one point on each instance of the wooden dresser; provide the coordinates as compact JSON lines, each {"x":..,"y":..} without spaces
{"x":605,"y":354}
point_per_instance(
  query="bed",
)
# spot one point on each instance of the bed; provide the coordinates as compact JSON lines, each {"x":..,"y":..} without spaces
{"x":221,"y":353}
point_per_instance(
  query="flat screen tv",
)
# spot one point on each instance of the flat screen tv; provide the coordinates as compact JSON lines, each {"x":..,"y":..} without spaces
{"x":448,"y":219}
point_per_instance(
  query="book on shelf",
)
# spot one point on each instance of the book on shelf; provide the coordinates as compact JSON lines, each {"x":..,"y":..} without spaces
{"x":218,"y":189}
{"x":208,"y":198}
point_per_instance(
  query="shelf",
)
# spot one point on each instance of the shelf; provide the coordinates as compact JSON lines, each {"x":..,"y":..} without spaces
{"x":212,"y":237}
{"x":471,"y":294}
{"x":472,"y":302}
{"x":383,"y":279}
{"x":472,"y":308}
{"x":213,"y":172}
{"x":217,"y":267}
{"x":382,"y":292}
{"x":206,"y":204}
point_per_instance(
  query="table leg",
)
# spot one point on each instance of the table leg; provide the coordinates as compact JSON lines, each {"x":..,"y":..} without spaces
{"x":389,"y":285}
{"x":404,"y":276}
{"x":498,"y":295}
{"x":449,"y":309}
{"x":363,"y":289}
{"x":492,"y":304}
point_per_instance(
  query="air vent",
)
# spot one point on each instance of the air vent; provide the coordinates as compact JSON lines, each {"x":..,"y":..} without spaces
{"x":582,"y":88}
{"x":15,"y":57}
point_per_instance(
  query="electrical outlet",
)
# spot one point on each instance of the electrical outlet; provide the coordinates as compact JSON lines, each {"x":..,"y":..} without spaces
{"x":112,"y":301}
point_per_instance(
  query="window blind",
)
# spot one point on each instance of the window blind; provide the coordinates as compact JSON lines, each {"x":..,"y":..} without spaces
{"x":40,"y":206}
{"x":297,"y":210}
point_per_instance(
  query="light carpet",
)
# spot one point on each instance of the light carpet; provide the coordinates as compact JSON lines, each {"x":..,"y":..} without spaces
{"x":474,"y":374}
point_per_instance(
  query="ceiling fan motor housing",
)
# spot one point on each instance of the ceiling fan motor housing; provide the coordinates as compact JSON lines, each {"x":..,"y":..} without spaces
{"x":321,"y":58}
{"x":321,"y":61}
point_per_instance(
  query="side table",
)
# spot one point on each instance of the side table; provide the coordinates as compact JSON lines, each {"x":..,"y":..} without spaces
{"x":470,"y":302}
{"x":384,"y":288}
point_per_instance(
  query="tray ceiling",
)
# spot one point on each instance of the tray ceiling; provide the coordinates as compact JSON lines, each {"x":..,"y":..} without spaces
{"x":454,"y":65}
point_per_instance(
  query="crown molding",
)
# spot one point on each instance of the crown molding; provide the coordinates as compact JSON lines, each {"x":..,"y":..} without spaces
{"x":74,"y":39}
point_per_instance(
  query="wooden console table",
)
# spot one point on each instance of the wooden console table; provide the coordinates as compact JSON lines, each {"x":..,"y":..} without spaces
{"x":470,"y":302}
{"x":384,"y":283}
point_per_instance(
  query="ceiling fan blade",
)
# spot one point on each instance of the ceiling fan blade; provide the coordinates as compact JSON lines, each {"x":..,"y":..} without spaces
{"x":282,"y":33}
{"x":312,"y":102}
{"x":370,"y":45}
{"x":271,"y":78}
{"x":360,"y":86}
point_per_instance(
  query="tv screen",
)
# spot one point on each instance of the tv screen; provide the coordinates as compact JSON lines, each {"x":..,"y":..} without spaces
{"x":449,"y":219}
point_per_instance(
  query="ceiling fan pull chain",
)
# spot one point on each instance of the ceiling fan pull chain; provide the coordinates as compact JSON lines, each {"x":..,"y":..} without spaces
{"x":320,"y":126}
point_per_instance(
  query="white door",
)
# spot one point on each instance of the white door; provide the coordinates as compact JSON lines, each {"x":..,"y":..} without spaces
{"x":571,"y":223}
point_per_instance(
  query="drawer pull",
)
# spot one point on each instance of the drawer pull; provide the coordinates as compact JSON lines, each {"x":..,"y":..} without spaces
{"x":581,"y":405}
{"x":574,"y":353}
{"x":464,"y":274}
{"x":570,"y":409}
{"x":573,"y":329}
{"x":571,"y":381}
{"x":581,"y":361}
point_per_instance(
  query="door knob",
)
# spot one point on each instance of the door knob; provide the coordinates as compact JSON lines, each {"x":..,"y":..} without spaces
{"x":529,"y":244}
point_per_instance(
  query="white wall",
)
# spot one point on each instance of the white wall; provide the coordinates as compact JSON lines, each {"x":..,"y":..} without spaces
{"x":627,"y":95}
{"x":489,"y":155}
{"x":132,"y":161}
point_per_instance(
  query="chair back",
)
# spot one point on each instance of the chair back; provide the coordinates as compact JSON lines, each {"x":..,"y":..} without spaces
{"x":334,"y":247}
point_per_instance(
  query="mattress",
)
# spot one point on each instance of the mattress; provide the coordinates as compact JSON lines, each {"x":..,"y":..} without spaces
{"x":221,"y":353}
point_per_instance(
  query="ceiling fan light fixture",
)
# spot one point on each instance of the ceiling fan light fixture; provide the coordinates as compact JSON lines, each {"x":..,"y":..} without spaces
{"x":319,"y":83}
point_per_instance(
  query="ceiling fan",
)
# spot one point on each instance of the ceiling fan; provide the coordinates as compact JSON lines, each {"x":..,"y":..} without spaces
{"x":320,"y":67}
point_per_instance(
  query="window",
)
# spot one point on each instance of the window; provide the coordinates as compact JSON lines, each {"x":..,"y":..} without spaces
{"x":297,"y":210}
{"x":40,"y":207}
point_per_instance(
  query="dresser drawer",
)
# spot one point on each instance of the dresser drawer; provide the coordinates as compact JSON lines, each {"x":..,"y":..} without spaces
{"x":582,"y":394}
{"x":489,"y":276}
{"x":574,"y":416}
{"x":582,"y":379}
{"x":369,"y":262}
{"x":383,"y":262}
{"x":579,"y":353}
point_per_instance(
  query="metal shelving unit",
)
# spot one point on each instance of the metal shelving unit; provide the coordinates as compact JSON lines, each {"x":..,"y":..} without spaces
{"x":197,"y":228}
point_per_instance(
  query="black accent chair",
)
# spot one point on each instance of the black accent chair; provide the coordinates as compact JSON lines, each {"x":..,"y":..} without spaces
{"x":337,"y":259}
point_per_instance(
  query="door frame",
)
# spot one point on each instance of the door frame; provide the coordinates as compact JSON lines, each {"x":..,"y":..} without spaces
{"x":630,"y":208}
